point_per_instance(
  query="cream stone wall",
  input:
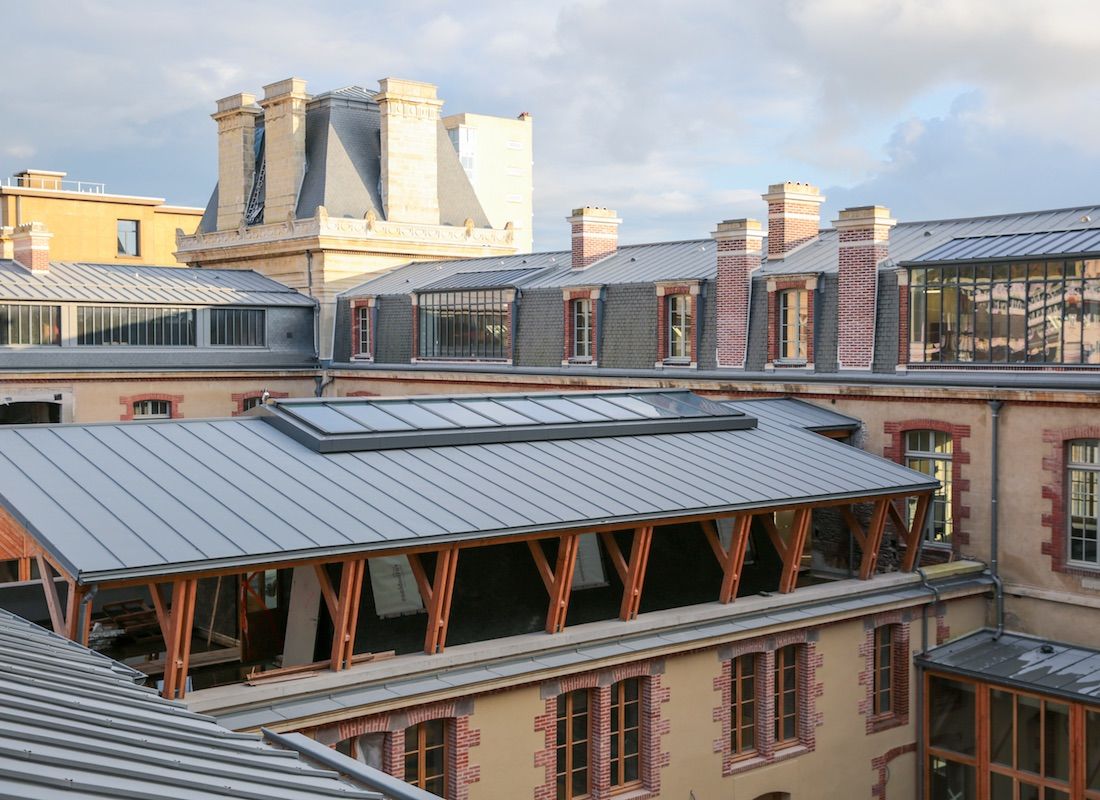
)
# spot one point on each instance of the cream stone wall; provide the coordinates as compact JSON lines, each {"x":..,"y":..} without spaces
{"x":508,"y":744}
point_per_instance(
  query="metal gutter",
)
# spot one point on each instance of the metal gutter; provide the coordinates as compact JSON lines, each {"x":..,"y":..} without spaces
{"x":994,"y":528}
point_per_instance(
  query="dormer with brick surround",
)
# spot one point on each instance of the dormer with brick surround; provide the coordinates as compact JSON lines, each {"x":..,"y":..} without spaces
{"x":864,"y":235}
{"x":739,"y":245}
{"x":791,"y":321}
{"x":595,"y":234}
{"x":31,"y":246}
{"x":794,"y":216}
{"x":582,"y":307}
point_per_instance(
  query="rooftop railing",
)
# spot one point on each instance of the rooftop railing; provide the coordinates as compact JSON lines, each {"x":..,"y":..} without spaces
{"x":52,"y":184}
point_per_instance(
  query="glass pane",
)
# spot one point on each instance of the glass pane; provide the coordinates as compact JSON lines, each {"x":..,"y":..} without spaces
{"x":580,"y":782}
{"x":1001,"y":716}
{"x":433,"y":736}
{"x":1092,"y":748}
{"x":951,"y":715}
{"x":1001,"y":787}
{"x":949,"y":779}
{"x":373,"y":417}
{"x":1056,"y":741}
{"x":535,"y":410}
{"x":1028,"y":733}
{"x":422,"y":418}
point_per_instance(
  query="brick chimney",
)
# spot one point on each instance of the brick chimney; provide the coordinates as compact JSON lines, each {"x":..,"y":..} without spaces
{"x":864,"y":235}
{"x":284,"y":106}
{"x":31,"y":246}
{"x":794,"y":216}
{"x":595,"y":234}
{"x":410,"y":156}
{"x":739,"y":249}
{"x":236,"y":117}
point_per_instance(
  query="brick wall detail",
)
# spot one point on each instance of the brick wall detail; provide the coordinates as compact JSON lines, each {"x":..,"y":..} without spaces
{"x":664,"y":291}
{"x":355,"y":329}
{"x":738,"y":257}
{"x":881,"y":765}
{"x":1054,"y":490}
{"x":774,"y":322}
{"x":240,"y":397}
{"x":899,"y":689}
{"x":568,"y":296}
{"x":175,"y":403}
{"x":903,"y":317}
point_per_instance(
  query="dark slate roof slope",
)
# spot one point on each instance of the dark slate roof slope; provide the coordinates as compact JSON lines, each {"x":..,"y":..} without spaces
{"x":116,"y":500}
{"x":119,"y":283}
{"x":74,"y":723}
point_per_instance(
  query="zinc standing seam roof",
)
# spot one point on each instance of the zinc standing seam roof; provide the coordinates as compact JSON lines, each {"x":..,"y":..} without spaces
{"x":793,"y":411}
{"x":74,"y":723}
{"x":1015,"y":245}
{"x":137,"y":499}
{"x":119,"y":283}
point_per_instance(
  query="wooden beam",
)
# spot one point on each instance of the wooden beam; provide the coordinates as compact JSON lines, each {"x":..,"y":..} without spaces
{"x":915,"y":532}
{"x":439,"y":612}
{"x":735,"y":558}
{"x":158,"y":607}
{"x":897,"y":520}
{"x":635,"y":573}
{"x":792,"y":560}
{"x":768,"y":521}
{"x":53,"y":602}
{"x":423,"y":585}
{"x":853,"y":525}
{"x":177,"y":653}
{"x":874,"y":539}
{"x":616,"y":555}
{"x":710,"y":530}
{"x":74,"y":614}
{"x":543,"y":566}
{"x":327,"y":591}
{"x":345,"y":623}
{"x":566,"y":565}
{"x":25,"y":568}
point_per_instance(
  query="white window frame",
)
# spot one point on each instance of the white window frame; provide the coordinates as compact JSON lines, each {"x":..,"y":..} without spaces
{"x":942,"y":497}
{"x":787,"y":323}
{"x":1083,"y":473}
{"x":583,"y":323}
{"x":679,"y":311}
{"x":144,"y":409}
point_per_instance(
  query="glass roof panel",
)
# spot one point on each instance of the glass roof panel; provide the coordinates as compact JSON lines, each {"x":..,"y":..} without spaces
{"x":536,"y":411}
{"x":373,"y":417}
{"x":502,"y":414}
{"x":574,"y":411}
{"x":609,"y":410}
{"x":325,"y":419}
{"x":639,"y":406}
{"x":417,"y":416}
{"x":457,"y":411}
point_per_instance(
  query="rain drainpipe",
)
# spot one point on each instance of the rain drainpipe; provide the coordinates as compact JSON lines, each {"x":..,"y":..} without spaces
{"x":921,"y":756}
{"x":994,"y":492}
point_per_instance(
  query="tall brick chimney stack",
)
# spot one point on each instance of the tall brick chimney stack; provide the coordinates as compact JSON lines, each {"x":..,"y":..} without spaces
{"x":595,"y":234}
{"x":794,"y":216}
{"x":31,"y":246}
{"x":284,"y":106}
{"x":864,"y":234}
{"x":739,"y":250}
{"x":410,"y":154}
{"x":236,"y":117}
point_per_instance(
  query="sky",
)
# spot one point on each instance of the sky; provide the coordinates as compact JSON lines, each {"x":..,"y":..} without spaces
{"x":675,"y":114}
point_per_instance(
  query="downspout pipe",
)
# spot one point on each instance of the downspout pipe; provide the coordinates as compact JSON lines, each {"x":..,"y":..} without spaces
{"x":921,"y":755}
{"x":994,"y":529}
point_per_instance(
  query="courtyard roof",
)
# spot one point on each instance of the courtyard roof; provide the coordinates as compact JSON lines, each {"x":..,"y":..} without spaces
{"x":1014,"y":246}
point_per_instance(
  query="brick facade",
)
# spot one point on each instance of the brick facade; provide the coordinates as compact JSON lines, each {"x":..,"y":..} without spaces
{"x":239,"y":399}
{"x":356,"y":331}
{"x":595,"y":233}
{"x":1055,"y":521}
{"x":901,"y":657}
{"x":175,"y":401}
{"x":863,"y":244}
{"x":739,"y":246}
{"x":653,"y":728}
{"x":568,"y":296}
{"x":794,"y":216}
{"x":881,"y":765}
{"x":775,"y":287}
{"x":903,"y":317}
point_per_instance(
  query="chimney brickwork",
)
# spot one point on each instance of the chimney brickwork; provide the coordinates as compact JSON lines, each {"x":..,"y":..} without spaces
{"x":794,"y":216}
{"x":864,"y":243}
{"x":284,"y":106}
{"x":236,"y":117}
{"x":739,"y":246}
{"x":31,"y":246}
{"x":410,"y":165}
{"x":595,"y":234}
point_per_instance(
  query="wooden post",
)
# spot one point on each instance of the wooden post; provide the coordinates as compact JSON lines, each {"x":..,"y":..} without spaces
{"x":734,"y":560}
{"x":792,"y":557}
{"x":25,"y":568}
{"x":176,"y":626}
{"x":768,"y":521}
{"x":915,"y":532}
{"x":436,"y":595}
{"x":631,"y":573}
{"x":344,"y":609}
{"x":53,"y":601}
{"x":559,"y":581}
{"x":873,"y":539}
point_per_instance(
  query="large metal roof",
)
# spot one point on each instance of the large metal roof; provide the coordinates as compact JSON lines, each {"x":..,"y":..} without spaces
{"x":1023,"y":662}
{"x":68,"y":282}
{"x":793,"y":411}
{"x":74,"y":723}
{"x":113,"y":501}
{"x":487,"y":279}
{"x":1015,"y":245}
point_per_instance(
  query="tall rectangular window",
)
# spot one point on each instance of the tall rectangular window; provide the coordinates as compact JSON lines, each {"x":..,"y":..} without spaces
{"x":626,"y":732}
{"x":679,"y":327}
{"x":884,"y":670}
{"x":743,"y":705}
{"x":129,"y":239}
{"x":929,"y":452}
{"x":786,"y":695}
{"x":426,"y":756}
{"x":362,"y":325}
{"x":464,"y":325}
{"x":573,"y":735}
{"x":31,"y":325}
{"x":238,"y":327}
{"x":583,"y":327}
{"x":144,"y":326}
{"x":793,"y":324}
{"x":1084,"y":494}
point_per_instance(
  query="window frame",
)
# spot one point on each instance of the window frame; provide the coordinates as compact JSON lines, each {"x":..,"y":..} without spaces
{"x":458,"y":315}
{"x":788,"y":657}
{"x":801,"y":326}
{"x":884,"y":671}
{"x":564,"y":720}
{"x":122,"y":238}
{"x":149,"y":402}
{"x":1083,"y":468}
{"x":944,"y":495}
{"x":363,"y":326}
{"x":95,"y":322}
{"x":618,"y":731}
{"x":588,"y":327}
{"x":420,"y":752}
{"x":236,"y":319}
{"x":738,"y":701}
{"x":687,"y":323}
{"x":39,"y":316}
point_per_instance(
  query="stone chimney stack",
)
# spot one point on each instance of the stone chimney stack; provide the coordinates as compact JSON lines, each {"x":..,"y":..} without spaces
{"x":864,"y":235}
{"x":794,"y":216}
{"x":595,"y":234}
{"x":236,"y":117}
{"x":740,"y":243}
{"x":410,"y":154}
{"x":31,"y":246}
{"x":284,"y":106}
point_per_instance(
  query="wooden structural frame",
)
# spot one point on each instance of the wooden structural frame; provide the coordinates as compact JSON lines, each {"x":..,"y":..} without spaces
{"x":176,"y":619}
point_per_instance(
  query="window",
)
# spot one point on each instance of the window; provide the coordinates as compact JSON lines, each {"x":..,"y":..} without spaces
{"x":1028,"y":745}
{"x":793,"y":321}
{"x":34,"y":325}
{"x":362,"y":325}
{"x":679,"y":327}
{"x":626,"y":732}
{"x":464,"y":140}
{"x":152,"y":409}
{"x":884,"y":671}
{"x":366,"y":748}
{"x":786,"y":696}
{"x":144,"y":326}
{"x":129,"y":237}
{"x":930,"y":452}
{"x":1084,"y":472}
{"x":1042,"y":312}
{"x":583,"y":327}
{"x":574,"y":728}
{"x":237,"y":327}
{"x":426,"y":756}
{"x":743,"y":705}
{"x":250,"y":403}
{"x":464,"y":325}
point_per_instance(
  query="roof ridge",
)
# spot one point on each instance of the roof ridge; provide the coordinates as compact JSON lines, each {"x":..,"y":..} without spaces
{"x":1003,"y":215}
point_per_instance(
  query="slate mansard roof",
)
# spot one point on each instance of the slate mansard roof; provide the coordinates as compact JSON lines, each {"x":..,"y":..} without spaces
{"x":323,"y":478}
{"x":73,"y":282}
{"x":74,"y":723}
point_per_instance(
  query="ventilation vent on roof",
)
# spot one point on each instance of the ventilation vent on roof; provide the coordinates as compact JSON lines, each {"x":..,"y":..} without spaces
{"x":633,"y":258}
{"x":1086,"y":218}
{"x":928,"y":233}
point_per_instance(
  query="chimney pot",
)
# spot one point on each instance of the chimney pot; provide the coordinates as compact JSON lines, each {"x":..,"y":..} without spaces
{"x":31,"y":246}
{"x":794,"y":216}
{"x":595,"y":234}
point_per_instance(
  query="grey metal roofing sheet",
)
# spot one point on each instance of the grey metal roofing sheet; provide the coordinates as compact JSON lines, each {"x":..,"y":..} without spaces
{"x":119,"y":283}
{"x":486,"y":279}
{"x":1023,"y":662}
{"x":794,"y":411}
{"x":1015,"y":245}
{"x":415,"y":276}
{"x":112,"y":500}
{"x":75,"y":723}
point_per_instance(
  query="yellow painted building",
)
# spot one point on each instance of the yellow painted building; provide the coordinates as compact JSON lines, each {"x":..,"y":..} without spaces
{"x":88,"y":224}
